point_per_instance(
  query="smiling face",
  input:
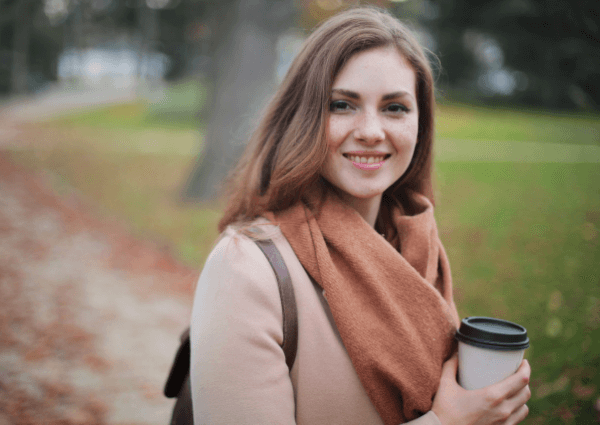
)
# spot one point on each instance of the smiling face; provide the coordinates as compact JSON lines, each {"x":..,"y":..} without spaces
{"x":372,"y":125}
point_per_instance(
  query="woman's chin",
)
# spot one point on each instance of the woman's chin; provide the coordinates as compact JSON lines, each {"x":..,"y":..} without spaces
{"x":364,"y":195}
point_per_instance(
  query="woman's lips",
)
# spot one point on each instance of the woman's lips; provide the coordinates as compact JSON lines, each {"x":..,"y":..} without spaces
{"x":367,"y":161}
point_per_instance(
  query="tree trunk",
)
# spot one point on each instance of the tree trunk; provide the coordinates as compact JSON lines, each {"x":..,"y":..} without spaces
{"x":244,"y":78}
{"x":22,"y":34}
{"x":148,"y":27}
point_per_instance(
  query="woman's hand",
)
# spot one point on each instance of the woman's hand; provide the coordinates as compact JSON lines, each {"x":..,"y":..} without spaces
{"x":500,"y":403}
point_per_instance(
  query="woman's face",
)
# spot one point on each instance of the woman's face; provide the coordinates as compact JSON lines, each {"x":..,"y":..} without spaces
{"x":372,"y":124}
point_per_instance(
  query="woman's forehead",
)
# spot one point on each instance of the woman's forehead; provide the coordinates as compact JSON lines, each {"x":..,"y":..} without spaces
{"x":383,"y":70}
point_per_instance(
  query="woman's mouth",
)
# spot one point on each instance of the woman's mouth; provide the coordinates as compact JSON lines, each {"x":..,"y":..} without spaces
{"x":367,"y":161}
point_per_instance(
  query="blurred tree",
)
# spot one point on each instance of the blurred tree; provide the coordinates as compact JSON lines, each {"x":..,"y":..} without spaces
{"x":243,"y":38}
{"x":175,"y":28}
{"x":551,"y":46}
{"x":557,"y":44}
{"x":22,"y":11}
{"x":29,"y":46}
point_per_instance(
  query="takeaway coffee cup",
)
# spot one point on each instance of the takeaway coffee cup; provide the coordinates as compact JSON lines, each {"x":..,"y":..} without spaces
{"x":489,"y":350}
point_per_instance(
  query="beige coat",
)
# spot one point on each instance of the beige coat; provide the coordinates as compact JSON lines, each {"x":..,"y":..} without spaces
{"x":238,"y":370}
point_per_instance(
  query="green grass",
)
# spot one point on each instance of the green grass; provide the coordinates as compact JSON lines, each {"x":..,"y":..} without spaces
{"x":524,"y":244}
{"x":522,"y":235}
{"x":479,"y":123}
{"x":447,"y":150}
{"x":179,"y":108}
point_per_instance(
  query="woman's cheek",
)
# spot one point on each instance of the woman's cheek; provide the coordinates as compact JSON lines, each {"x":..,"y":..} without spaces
{"x":336,"y":130}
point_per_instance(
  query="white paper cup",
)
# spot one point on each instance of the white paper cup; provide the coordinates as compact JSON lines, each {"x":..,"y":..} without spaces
{"x":489,"y":350}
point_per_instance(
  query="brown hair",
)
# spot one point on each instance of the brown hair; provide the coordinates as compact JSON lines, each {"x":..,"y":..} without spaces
{"x":285,"y":155}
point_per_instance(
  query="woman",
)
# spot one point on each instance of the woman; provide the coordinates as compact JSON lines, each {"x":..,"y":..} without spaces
{"x":338,"y":174}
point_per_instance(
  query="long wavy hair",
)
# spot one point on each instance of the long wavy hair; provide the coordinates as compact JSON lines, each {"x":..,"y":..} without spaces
{"x":285,"y":154}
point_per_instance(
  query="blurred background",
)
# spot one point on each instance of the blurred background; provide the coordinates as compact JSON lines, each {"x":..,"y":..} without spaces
{"x":119,"y":119}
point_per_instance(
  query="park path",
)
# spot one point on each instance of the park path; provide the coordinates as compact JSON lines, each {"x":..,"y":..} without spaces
{"x":56,"y":100}
{"x":16,"y":112}
{"x":89,"y":314}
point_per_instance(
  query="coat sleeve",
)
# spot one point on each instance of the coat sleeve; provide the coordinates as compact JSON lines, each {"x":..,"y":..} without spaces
{"x":237,"y":367}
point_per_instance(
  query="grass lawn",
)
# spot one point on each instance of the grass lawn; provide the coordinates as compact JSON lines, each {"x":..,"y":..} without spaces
{"x":494,"y":124}
{"x":524,"y":246}
{"x":178,"y":108}
{"x":522,"y":236}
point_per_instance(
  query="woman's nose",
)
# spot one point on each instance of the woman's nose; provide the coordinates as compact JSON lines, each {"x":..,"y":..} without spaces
{"x":369,"y":128}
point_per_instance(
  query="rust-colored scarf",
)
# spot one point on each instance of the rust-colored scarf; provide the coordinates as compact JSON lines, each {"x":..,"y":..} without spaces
{"x":391,"y":301}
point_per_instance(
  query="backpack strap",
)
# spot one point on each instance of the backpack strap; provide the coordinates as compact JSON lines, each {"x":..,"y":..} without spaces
{"x":288,"y":299}
{"x":178,"y":379}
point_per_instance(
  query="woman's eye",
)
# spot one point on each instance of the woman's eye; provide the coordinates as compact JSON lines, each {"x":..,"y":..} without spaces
{"x":339,"y":105}
{"x":397,"y":107}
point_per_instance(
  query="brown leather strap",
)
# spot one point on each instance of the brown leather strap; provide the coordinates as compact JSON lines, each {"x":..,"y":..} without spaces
{"x":288,"y":299}
{"x":178,"y":382}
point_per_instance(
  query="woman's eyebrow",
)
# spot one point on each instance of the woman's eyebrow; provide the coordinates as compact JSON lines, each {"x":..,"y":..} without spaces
{"x":353,"y":95}
{"x":396,"y":95}
{"x":347,"y":93}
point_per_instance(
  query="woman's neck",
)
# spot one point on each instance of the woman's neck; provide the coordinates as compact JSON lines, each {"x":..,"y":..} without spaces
{"x":367,"y":208}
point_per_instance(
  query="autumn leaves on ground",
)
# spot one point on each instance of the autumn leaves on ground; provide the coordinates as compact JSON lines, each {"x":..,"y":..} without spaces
{"x":89,"y":315}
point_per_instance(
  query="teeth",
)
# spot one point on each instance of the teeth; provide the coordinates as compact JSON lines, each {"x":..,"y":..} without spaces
{"x":366,"y":160}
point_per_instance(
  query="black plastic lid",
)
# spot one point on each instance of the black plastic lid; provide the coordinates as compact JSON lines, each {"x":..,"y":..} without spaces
{"x":492,"y":333}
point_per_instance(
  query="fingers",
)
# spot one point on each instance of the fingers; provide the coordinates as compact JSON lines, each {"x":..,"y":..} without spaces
{"x":451,"y":365}
{"x":514,"y":383}
{"x":450,"y":369}
{"x":518,"y":401}
{"x":519,"y":379}
{"x":524,"y":368}
{"x":515,"y":403}
{"x":509,"y":411}
{"x":518,"y":416}
{"x":522,"y":396}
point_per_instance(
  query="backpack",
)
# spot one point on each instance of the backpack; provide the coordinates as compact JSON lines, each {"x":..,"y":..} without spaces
{"x":178,"y":382}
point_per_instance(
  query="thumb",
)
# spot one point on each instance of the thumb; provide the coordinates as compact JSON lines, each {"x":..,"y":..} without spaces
{"x":451,"y":366}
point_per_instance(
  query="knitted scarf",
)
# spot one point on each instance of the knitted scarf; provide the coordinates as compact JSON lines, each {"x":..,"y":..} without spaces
{"x":391,"y":300}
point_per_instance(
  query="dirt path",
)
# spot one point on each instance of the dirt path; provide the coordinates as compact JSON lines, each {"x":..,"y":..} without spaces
{"x":89,"y":316}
